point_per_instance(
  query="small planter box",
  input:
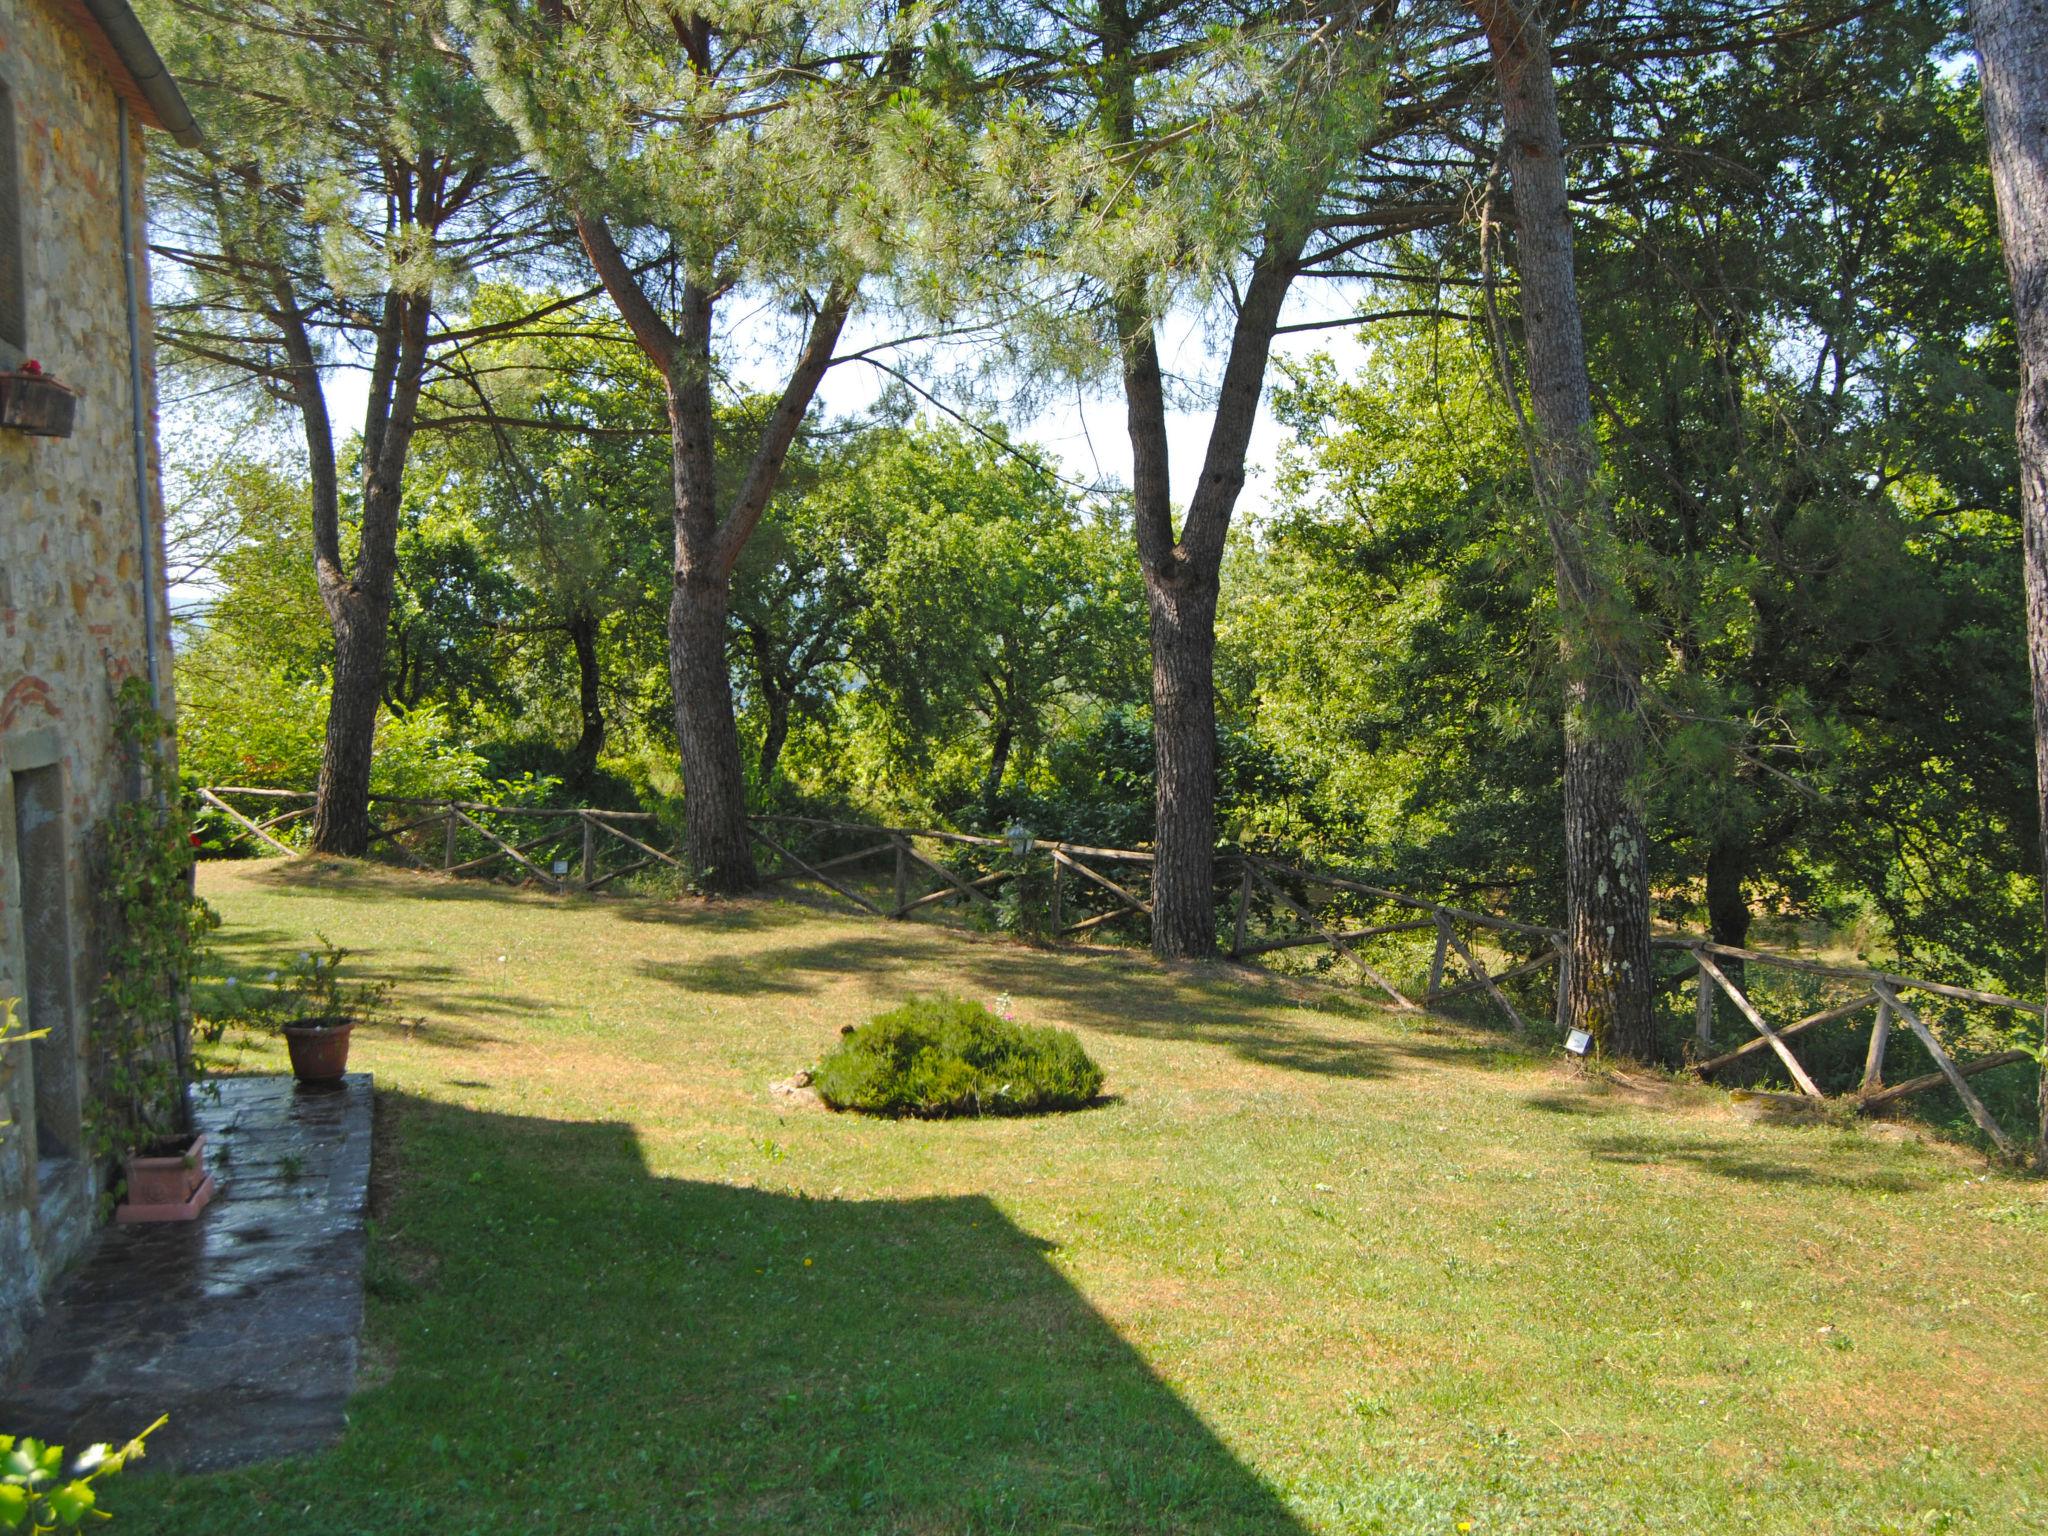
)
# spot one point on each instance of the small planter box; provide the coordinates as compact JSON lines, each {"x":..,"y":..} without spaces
{"x":176,"y":1187}
{"x":37,"y":404}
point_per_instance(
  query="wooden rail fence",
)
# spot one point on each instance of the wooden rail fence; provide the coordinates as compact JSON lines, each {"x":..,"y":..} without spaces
{"x":1089,"y":888}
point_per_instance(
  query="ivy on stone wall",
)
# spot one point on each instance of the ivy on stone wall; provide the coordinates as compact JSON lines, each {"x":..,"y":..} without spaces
{"x":150,"y":926}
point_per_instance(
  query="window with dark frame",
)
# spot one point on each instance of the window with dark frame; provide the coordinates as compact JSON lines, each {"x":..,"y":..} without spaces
{"x":13,"y":263}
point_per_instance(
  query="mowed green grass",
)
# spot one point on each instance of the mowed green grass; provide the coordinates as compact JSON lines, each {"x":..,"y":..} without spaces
{"x":1313,"y":1267}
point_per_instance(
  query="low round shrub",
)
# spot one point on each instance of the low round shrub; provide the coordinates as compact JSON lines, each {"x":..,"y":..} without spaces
{"x":944,"y":1056}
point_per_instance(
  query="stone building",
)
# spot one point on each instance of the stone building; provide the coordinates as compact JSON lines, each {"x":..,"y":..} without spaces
{"x":82,"y":599}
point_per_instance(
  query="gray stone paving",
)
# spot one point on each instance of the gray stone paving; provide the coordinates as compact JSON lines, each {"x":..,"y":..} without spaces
{"x":244,"y":1325}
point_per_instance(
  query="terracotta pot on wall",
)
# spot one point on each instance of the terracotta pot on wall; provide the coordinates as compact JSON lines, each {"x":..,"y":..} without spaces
{"x":319,"y":1050}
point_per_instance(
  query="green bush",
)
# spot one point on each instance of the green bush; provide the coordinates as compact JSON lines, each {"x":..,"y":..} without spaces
{"x":944,"y":1056}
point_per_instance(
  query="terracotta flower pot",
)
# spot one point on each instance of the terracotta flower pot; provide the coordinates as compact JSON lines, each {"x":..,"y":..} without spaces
{"x":168,"y":1178}
{"x":319,"y":1050}
{"x":173,"y":1186}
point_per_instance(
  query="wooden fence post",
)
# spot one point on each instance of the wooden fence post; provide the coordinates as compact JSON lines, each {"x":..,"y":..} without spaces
{"x":589,"y":848}
{"x":1436,"y":961}
{"x":448,"y":840}
{"x":1059,"y":896}
{"x":1880,"y":1037}
{"x":1703,"y":1009}
{"x":902,"y":878}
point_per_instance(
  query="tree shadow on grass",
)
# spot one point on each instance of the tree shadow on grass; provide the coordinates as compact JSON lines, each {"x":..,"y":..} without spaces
{"x":430,"y":998}
{"x":1129,"y":998}
{"x":369,"y":880}
{"x":1749,"y":1164}
{"x":1582,"y":1105}
{"x":572,"y":1333}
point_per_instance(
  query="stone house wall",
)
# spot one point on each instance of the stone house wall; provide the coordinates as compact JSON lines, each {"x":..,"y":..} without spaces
{"x":82,"y":605}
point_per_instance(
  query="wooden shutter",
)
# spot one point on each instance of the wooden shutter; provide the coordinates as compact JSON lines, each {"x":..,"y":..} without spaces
{"x":13,"y":268}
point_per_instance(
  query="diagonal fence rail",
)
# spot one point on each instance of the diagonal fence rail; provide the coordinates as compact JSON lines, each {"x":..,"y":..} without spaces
{"x":1273,"y":907}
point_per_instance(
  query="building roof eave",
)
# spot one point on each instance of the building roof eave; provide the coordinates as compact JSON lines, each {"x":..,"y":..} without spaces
{"x":161,"y":103}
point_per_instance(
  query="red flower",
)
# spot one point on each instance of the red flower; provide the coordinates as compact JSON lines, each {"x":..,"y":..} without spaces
{"x":31,"y":366}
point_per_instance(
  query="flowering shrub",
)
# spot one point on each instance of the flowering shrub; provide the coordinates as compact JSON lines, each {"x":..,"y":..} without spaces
{"x":310,"y":990}
{"x":944,"y":1056}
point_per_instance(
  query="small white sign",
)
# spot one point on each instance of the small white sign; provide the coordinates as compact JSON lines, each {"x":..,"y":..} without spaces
{"x":1578,"y":1042}
{"x":561,"y":866}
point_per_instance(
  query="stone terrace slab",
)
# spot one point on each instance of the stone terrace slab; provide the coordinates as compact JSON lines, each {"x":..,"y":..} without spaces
{"x":243,"y":1326}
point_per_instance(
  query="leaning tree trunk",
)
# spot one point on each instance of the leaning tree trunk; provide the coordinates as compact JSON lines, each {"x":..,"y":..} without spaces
{"x":358,"y":600}
{"x":1607,"y":897}
{"x":2012,"y":61}
{"x":774,"y":738}
{"x":361,"y":622}
{"x":589,"y":697}
{"x":998,"y":764}
{"x":1728,"y":914}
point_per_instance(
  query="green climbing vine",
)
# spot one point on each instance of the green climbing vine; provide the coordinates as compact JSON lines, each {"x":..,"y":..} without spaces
{"x":151,"y":927}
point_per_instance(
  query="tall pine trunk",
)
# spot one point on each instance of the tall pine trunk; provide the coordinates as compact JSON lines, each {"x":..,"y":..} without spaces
{"x":2012,"y":61}
{"x":714,"y":782}
{"x":358,"y":599}
{"x":1607,"y":897}
{"x":1182,"y":599}
{"x":1183,"y":578}
{"x":708,"y":546}
{"x":707,"y":732}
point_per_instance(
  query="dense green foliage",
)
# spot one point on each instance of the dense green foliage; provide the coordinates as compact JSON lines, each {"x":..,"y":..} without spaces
{"x":1802,"y":347}
{"x":938,"y":1057}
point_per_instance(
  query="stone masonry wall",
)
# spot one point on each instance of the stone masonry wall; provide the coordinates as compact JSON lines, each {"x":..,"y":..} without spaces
{"x":75,"y":574}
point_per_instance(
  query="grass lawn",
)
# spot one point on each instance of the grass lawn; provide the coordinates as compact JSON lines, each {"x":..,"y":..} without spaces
{"x":1314,"y":1267}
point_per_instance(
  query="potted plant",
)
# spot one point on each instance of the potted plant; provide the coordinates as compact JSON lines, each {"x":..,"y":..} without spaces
{"x":33,"y":402}
{"x":317,"y":1011}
